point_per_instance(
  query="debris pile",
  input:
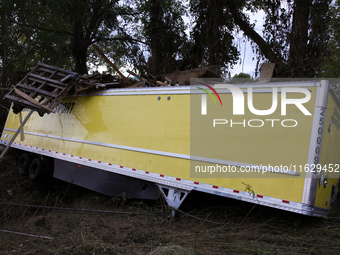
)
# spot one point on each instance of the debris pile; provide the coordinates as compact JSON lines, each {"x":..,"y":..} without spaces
{"x":179,"y":78}
{"x":45,"y":86}
{"x":97,"y":81}
{"x":42,"y":89}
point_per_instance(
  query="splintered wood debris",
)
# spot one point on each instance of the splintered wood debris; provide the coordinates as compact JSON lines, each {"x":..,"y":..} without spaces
{"x":106,"y":81}
{"x":45,"y":86}
{"x":42,"y":89}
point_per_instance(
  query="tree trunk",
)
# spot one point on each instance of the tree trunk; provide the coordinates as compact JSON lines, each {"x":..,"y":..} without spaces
{"x":79,"y":47}
{"x":266,"y":50}
{"x":81,"y":57}
{"x":3,"y":76}
{"x":155,"y":21}
{"x":299,"y":38}
{"x":211,"y":27}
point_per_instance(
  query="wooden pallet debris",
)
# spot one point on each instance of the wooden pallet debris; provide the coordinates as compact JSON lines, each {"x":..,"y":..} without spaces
{"x":102,"y":81}
{"x":42,"y":89}
{"x":45,"y":86}
{"x":183,"y":77}
{"x":110,"y":63}
{"x":267,"y":70}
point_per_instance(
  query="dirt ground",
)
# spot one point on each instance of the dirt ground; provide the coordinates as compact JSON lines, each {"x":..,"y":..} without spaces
{"x":144,"y":227}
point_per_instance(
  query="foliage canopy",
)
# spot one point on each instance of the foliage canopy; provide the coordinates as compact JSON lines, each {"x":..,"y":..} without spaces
{"x":157,"y":37}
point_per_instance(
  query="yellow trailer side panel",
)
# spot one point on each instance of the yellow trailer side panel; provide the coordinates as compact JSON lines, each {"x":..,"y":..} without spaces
{"x":155,"y":132}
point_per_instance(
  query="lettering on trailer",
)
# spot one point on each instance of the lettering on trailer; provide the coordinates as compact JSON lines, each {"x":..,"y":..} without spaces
{"x":238,"y":100}
{"x":239,"y":106}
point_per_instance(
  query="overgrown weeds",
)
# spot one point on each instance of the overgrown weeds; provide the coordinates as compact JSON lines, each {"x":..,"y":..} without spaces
{"x":244,"y":230}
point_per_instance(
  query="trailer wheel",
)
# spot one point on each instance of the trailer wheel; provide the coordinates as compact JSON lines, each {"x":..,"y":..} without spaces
{"x":49,"y":169}
{"x":24,"y":163}
{"x":37,"y":169}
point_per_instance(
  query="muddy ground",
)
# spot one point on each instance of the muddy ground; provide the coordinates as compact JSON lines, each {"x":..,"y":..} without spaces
{"x":144,"y":227}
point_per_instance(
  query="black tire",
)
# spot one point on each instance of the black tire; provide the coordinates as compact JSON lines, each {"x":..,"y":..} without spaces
{"x":24,"y":163}
{"x":37,"y":170}
{"x":49,"y":169}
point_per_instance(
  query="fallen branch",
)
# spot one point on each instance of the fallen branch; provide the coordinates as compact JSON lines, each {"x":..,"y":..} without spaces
{"x":110,"y":63}
{"x":24,"y":234}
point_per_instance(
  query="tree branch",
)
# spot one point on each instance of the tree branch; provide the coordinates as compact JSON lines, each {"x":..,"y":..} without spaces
{"x":265,"y":49}
{"x":15,"y":55}
{"x":46,"y":29}
{"x":118,"y":39}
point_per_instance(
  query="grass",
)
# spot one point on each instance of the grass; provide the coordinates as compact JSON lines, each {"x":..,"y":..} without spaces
{"x":246,"y":229}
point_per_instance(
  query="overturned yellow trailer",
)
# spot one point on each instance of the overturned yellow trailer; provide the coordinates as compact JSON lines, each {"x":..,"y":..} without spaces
{"x":273,"y":144}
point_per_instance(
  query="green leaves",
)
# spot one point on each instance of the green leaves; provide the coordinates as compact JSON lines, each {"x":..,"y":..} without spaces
{"x":330,"y":67}
{"x":151,"y":35}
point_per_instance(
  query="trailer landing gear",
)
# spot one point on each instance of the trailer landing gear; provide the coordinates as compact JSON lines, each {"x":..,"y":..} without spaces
{"x":173,"y":196}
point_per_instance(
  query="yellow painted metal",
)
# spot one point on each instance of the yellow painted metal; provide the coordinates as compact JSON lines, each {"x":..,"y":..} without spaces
{"x":162,"y":123}
{"x":330,"y":156}
{"x":277,"y":146}
{"x":137,"y":121}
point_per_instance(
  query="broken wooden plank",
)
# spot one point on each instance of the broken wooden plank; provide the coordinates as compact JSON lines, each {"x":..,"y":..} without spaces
{"x":267,"y":70}
{"x":39,"y":78}
{"x":175,"y":77}
{"x":53,"y":68}
{"x":162,"y":84}
{"x":185,"y":76}
{"x":110,"y":63}
{"x":153,"y":77}
{"x":167,"y":79}
{"x":47,"y":83}
{"x":34,"y":89}
{"x":22,"y":137}
{"x":24,"y":103}
{"x":15,"y":135}
{"x":28,"y":98}
{"x":49,"y":71}
{"x":91,"y":76}
{"x":66,"y":77}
